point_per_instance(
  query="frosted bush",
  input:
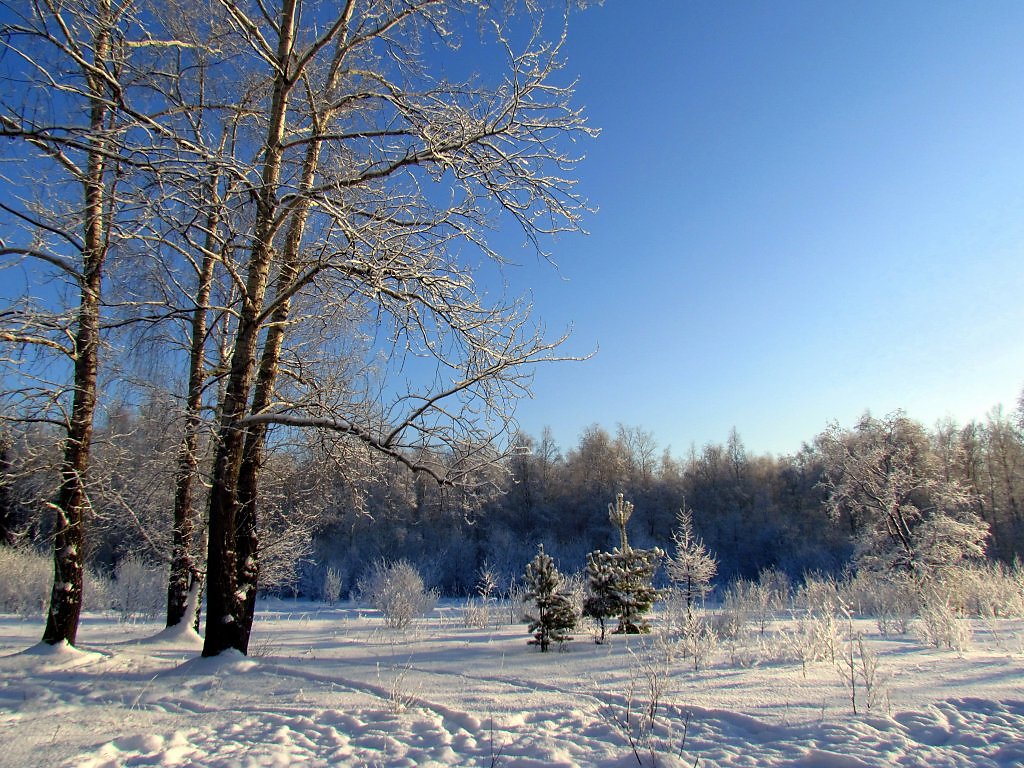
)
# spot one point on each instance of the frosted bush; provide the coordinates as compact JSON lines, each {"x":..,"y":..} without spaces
{"x":633,"y":714}
{"x":139,"y":589}
{"x":731,"y":627}
{"x":776,"y":584}
{"x":515,"y":602}
{"x":861,"y":674}
{"x":758,"y":600}
{"x":397,"y":591}
{"x":731,"y":623}
{"x":698,"y":639}
{"x":674,"y":611}
{"x":477,"y":613}
{"x":330,"y":590}
{"x":575,"y":588}
{"x":813,"y":637}
{"x":939,"y":625}
{"x":98,"y":591}
{"x":991,"y":590}
{"x":26,"y":577}
{"x":892,"y":599}
{"x":818,"y":595}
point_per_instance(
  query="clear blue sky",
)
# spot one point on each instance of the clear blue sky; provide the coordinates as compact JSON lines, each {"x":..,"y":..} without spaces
{"x":807,"y":210}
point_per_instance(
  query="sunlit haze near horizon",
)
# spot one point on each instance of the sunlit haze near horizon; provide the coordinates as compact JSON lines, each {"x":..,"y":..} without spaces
{"x":806,"y":211}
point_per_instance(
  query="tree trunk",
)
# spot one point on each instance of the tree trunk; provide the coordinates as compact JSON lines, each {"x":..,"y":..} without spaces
{"x":72,"y":497}
{"x":255,"y":441}
{"x":184,"y":572}
{"x":227,"y":625}
{"x":8,"y":523}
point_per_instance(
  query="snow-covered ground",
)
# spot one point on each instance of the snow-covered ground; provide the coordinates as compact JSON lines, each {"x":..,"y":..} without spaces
{"x":334,"y":687}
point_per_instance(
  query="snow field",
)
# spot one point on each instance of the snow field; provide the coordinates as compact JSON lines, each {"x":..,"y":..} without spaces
{"x":336,"y":687}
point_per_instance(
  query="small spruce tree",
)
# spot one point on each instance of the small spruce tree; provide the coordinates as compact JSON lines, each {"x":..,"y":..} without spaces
{"x":555,"y":616}
{"x":601,"y":603}
{"x":634,"y":572}
{"x":692,"y":567}
{"x":621,"y":581}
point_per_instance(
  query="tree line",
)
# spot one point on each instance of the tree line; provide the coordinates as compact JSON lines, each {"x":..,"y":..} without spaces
{"x":885,"y":494}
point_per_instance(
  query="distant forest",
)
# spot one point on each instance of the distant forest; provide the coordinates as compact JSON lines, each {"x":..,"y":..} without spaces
{"x":329,"y":504}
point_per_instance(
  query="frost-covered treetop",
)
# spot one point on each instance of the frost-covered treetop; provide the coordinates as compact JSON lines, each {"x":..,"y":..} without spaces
{"x":619,"y":512}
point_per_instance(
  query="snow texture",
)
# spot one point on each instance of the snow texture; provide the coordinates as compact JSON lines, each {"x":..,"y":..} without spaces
{"x":335,"y":687}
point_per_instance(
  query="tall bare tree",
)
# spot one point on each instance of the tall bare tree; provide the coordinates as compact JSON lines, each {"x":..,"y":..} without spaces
{"x":907,"y":515}
{"x":373,"y":171}
{"x":67,"y":59}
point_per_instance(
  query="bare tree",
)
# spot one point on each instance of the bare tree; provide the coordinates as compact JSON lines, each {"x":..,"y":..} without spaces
{"x":69,"y":58}
{"x":373,"y":172}
{"x":907,"y":516}
{"x":319,"y":159}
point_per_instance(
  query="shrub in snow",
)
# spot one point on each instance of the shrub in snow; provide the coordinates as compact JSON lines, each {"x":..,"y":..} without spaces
{"x":397,"y":591}
{"x":330,"y":590}
{"x":777,"y":585}
{"x":139,"y":589}
{"x":697,"y":639}
{"x":757,"y":600}
{"x":938,"y":623}
{"x":401,"y":696}
{"x":477,"y":614}
{"x":814,"y":634}
{"x":515,"y":602}
{"x":26,"y":578}
{"x":636,"y":716}
{"x":555,"y":615}
{"x":992,"y":590}
{"x":861,"y":673}
{"x":813,"y":637}
{"x":692,"y":567}
{"x":98,"y":591}
{"x":893,"y":600}
{"x":731,"y":623}
{"x":486,"y":584}
{"x":818,"y":595}
{"x":674,"y":611}
{"x":574,"y":585}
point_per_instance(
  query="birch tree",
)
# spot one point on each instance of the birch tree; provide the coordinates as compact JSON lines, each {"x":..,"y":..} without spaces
{"x":65,"y":67}
{"x":374,"y":176}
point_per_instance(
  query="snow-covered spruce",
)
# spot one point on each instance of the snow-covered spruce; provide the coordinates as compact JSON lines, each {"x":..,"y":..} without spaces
{"x":621,"y":582}
{"x":555,"y":616}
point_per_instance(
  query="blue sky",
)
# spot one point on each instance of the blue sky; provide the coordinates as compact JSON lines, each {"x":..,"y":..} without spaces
{"x":807,"y":210}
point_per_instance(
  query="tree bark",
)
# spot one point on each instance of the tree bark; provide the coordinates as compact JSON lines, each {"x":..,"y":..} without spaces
{"x":227,"y":598}
{"x":8,"y":523}
{"x":72,"y":497}
{"x":266,"y":376}
{"x":184,"y":572}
